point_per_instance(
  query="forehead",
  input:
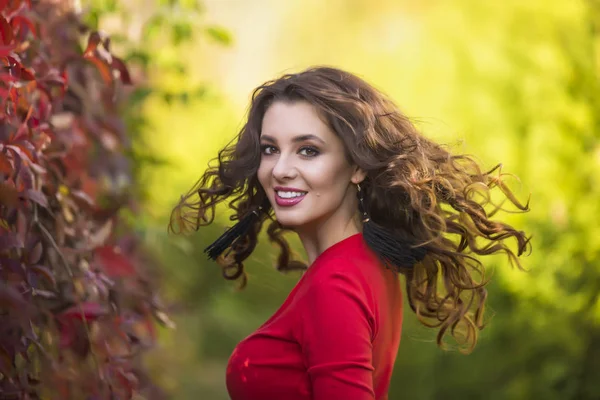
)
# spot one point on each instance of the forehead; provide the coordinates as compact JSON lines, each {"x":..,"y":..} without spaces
{"x":284,"y":120}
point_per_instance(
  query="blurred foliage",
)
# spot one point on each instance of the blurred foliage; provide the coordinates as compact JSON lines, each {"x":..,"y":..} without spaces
{"x":77,"y":305}
{"x":77,"y":299}
{"x":518,"y":81}
{"x":154,"y":38}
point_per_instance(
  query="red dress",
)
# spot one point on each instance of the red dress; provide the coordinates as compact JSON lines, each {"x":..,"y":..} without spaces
{"x":335,"y":337}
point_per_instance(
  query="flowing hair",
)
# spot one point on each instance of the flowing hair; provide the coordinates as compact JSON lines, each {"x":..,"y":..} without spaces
{"x":414,"y":187}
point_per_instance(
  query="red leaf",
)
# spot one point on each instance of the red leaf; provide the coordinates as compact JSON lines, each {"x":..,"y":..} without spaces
{"x":3,"y":5}
{"x":22,"y":226}
{"x":6,"y":32}
{"x":22,"y":133}
{"x":11,"y":298}
{"x":16,"y":6}
{"x":14,"y":96}
{"x":89,"y":310}
{"x":21,"y":22}
{"x":6,"y":363}
{"x":5,"y":165}
{"x":114,"y":263}
{"x":54,"y":78}
{"x":93,"y":42}
{"x":129,"y":383}
{"x":26,"y":74}
{"x":83,"y":200}
{"x":120,"y":66}
{"x":74,"y":336}
{"x":24,"y":179}
{"x":67,"y":335}
{"x":10,"y":264}
{"x":9,"y":195}
{"x":9,"y":240}
{"x":7,"y":78}
{"x":36,"y":196}
{"x":35,"y":254}
{"x":12,"y":61}
{"x":7,"y":50}
{"x":21,"y":151}
{"x":104,"y":70}
{"x":45,"y":273}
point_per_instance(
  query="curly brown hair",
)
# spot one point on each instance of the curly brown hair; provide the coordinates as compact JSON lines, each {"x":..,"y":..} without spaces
{"x":414,"y":187}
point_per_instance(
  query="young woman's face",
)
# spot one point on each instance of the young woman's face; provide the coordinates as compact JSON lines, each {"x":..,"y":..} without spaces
{"x":303,"y":168}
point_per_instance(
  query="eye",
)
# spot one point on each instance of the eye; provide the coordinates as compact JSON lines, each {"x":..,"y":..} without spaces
{"x":309,"y":151}
{"x":267,"y":149}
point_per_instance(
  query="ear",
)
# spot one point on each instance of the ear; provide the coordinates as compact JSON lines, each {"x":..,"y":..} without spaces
{"x":358,"y":175}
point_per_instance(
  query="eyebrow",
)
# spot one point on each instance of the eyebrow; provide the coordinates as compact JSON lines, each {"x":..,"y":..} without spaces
{"x":296,"y":139}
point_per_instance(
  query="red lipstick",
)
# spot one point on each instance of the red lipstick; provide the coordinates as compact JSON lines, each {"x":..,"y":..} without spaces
{"x":288,"y":201}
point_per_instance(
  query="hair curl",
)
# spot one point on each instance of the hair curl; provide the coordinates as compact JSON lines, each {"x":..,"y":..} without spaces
{"x":414,"y":187}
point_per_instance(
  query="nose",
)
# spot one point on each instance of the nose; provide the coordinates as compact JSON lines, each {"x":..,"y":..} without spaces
{"x":284,"y":168}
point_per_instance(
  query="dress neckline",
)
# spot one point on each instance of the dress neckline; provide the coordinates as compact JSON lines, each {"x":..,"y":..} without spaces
{"x":337,"y":245}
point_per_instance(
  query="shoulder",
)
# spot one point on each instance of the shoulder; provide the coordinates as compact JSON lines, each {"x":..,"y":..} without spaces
{"x":339,"y":276}
{"x":333,"y":266}
{"x":352,"y":261}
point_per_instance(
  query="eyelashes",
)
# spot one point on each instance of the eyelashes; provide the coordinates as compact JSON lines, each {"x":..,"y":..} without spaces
{"x":305,"y":151}
{"x":312,"y":151}
{"x":266,"y":149}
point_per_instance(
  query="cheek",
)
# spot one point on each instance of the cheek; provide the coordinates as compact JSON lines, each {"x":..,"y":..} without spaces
{"x":331,"y":178}
{"x":263,"y":174}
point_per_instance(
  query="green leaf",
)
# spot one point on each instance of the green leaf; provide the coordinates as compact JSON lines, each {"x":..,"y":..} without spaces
{"x":138,"y":56}
{"x":92,"y":19}
{"x":181,"y":32}
{"x":168,"y":3}
{"x":139,"y":95}
{"x":154,"y":27}
{"x":195,"y":5}
{"x":220,"y":35}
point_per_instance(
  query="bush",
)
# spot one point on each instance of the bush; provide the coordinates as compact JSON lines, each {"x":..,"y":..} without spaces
{"x":77,"y":310}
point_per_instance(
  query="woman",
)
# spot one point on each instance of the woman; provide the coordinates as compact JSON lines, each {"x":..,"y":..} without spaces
{"x":326,"y":156}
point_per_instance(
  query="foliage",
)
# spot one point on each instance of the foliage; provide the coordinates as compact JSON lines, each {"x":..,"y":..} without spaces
{"x":154,"y":38}
{"x":518,"y":81}
{"x":76,"y":304}
{"x":539,"y":96}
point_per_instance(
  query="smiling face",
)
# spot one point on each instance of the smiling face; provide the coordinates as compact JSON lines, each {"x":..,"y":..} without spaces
{"x":304,"y":170}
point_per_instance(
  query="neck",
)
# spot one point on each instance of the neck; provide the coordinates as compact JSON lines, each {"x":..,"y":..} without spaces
{"x":319,"y":238}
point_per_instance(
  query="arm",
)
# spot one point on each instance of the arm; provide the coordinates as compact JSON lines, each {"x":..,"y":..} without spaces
{"x":336,"y":335}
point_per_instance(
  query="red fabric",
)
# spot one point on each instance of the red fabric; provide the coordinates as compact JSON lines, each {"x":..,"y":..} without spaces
{"x":335,"y":337}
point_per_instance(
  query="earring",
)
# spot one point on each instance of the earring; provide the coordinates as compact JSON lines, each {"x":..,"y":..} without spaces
{"x":361,"y":203}
{"x":233,"y":234}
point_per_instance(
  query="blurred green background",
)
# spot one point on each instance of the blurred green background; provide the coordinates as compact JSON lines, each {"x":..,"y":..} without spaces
{"x":513,"y":82}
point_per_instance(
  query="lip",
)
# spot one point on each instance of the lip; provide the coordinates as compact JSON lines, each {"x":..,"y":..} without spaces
{"x":288,"y":202}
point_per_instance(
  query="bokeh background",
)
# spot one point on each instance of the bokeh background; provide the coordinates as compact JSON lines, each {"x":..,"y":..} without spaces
{"x":513,"y":82}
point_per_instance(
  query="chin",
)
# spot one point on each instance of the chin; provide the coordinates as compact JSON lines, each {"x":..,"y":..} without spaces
{"x":290,"y":220}
{"x":289,"y":223}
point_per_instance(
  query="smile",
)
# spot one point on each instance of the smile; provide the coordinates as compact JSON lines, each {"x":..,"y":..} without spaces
{"x":288,"y":198}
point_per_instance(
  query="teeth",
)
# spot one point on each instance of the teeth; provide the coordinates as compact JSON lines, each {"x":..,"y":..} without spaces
{"x":289,"y":195}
